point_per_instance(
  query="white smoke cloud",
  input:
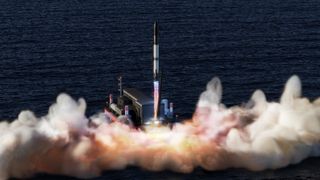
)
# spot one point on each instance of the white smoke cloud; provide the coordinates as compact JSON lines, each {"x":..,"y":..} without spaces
{"x":260,"y":135}
{"x":282,"y":133}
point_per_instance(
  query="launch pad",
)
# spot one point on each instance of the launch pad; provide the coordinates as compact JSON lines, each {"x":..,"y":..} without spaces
{"x":134,"y":107}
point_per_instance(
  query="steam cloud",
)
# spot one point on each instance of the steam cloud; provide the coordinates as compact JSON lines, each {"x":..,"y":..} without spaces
{"x":260,"y":135}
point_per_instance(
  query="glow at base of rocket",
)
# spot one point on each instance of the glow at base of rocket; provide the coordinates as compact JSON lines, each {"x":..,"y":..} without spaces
{"x":156,"y":99}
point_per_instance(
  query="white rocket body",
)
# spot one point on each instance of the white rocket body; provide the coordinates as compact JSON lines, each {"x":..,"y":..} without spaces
{"x":155,"y":60}
{"x":156,"y":67}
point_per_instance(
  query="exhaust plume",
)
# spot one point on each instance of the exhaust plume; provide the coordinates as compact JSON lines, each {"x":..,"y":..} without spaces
{"x":259,"y":135}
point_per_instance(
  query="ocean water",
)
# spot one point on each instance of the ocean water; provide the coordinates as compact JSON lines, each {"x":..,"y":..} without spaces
{"x":80,"y":47}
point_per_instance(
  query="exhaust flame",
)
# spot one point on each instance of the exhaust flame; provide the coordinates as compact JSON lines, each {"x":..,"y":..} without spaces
{"x":260,"y":135}
{"x":156,"y":99}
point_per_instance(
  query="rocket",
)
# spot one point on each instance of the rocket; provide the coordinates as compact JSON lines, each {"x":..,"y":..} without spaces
{"x":156,"y":67}
{"x":156,"y":72}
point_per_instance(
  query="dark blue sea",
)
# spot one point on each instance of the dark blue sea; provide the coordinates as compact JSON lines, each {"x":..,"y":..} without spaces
{"x":80,"y":47}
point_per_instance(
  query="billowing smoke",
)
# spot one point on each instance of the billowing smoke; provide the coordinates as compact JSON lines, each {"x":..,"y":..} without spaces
{"x":259,"y":135}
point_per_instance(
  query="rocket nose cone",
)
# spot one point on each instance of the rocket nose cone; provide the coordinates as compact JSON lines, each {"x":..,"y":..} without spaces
{"x":155,"y":32}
